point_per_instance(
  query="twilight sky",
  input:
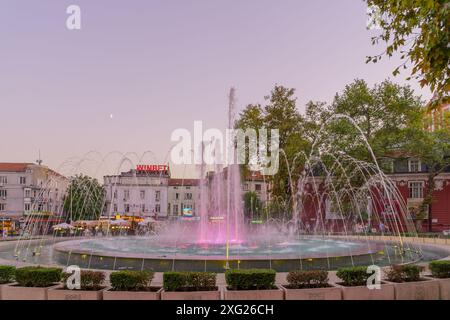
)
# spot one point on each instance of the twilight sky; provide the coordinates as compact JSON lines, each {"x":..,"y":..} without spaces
{"x":158,"y":65}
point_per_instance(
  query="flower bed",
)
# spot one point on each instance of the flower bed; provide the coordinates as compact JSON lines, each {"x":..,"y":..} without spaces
{"x":440,"y":270}
{"x":132,"y":285}
{"x":32,"y":283}
{"x":409,"y":285}
{"x":310,"y":285}
{"x":252,"y":284}
{"x":190,"y":286}
{"x":91,"y":287}
{"x":354,"y":285}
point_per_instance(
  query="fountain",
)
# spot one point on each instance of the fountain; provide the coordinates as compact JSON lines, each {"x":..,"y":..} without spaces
{"x":329,"y":228}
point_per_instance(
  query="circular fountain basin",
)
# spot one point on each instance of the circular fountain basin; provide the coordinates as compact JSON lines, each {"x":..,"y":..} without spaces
{"x":149,"y":254}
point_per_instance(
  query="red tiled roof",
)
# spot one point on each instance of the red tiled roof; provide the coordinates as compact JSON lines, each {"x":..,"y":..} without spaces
{"x":184,"y":182}
{"x":13,"y":167}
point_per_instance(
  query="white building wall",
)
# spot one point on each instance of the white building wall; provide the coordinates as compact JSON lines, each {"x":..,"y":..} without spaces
{"x":128,"y":200}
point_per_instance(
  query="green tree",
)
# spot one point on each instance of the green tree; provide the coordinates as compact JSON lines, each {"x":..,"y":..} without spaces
{"x":85,"y":199}
{"x":420,"y":30}
{"x":386,"y":113}
{"x":280,"y":112}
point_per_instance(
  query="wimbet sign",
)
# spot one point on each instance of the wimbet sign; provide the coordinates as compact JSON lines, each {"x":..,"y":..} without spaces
{"x":256,"y":148}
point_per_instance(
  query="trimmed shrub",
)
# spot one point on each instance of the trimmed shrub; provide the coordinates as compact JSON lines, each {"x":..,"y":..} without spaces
{"x":7,"y":274}
{"x":307,"y":279}
{"x":440,"y":269}
{"x":37,"y":276}
{"x":404,"y":273}
{"x":189,"y":281}
{"x":250,"y":279}
{"x":90,"y":280}
{"x":353,"y":276}
{"x":131,"y":280}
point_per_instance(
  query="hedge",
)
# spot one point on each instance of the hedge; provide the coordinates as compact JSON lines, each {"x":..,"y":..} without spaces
{"x":189,"y":281}
{"x":307,"y":279}
{"x":90,"y":280}
{"x":37,"y":276}
{"x":404,"y":273}
{"x":129,"y":280}
{"x":250,"y":279}
{"x":440,"y":269}
{"x":7,"y":274}
{"x":353,"y":276}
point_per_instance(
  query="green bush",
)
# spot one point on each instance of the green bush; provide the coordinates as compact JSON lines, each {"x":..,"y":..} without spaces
{"x":440,"y":269}
{"x":90,"y":280}
{"x":307,"y":279}
{"x":37,"y":276}
{"x":250,"y":279}
{"x":404,"y":273}
{"x":7,"y":274}
{"x":353,"y":276}
{"x":189,"y":281}
{"x":131,"y":280}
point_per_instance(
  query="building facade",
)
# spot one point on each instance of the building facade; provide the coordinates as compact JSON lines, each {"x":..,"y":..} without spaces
{"x":30,"y":190}
{"x":183,"y":197}
{"x":412,"y":180}
{"x":141,"y":192}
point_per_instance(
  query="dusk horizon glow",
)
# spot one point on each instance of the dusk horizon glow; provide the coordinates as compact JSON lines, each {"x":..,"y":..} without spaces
{"x":138,"y":70}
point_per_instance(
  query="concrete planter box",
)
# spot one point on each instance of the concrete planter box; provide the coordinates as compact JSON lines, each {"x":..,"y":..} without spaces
{"x":14,"y":292}
{"x":444,"y":288}
{"x":330,"y":293}
{"x":387,"y":292}
{"x":1,"y":288}
{"x":131,"y":295}
{"x":421,"y":290}
{"x":190,"y":295}
{"x":275,"y":294}
{"x":58,"y":293}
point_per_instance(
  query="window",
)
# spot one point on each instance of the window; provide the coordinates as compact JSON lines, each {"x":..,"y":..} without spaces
{"x":388,"y":208}
{"x":188,"y":196}
{"x":416,"y":190}
{"x":143,"y":207}
{"x":175,"y":209}
{"x":27,"y":206}
{"x":157,"y":208}
{"x":115,"y":194}
{"x":246,"y":187}
{"x":414,"y":165}
{"x":23,"y":180}
{"x":3,"y":193}
{"x":177,"y":196}
{"x":127,"y":207}
{"x":27,"y":193}
{"x":157,"y":195}
{"x":3,"y":180}
{"x":126,"y":194}
{"x":115,"y":207}
{"x":142,"y":193}
{"x":258,"y":187}
{"x":2,"y":206}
